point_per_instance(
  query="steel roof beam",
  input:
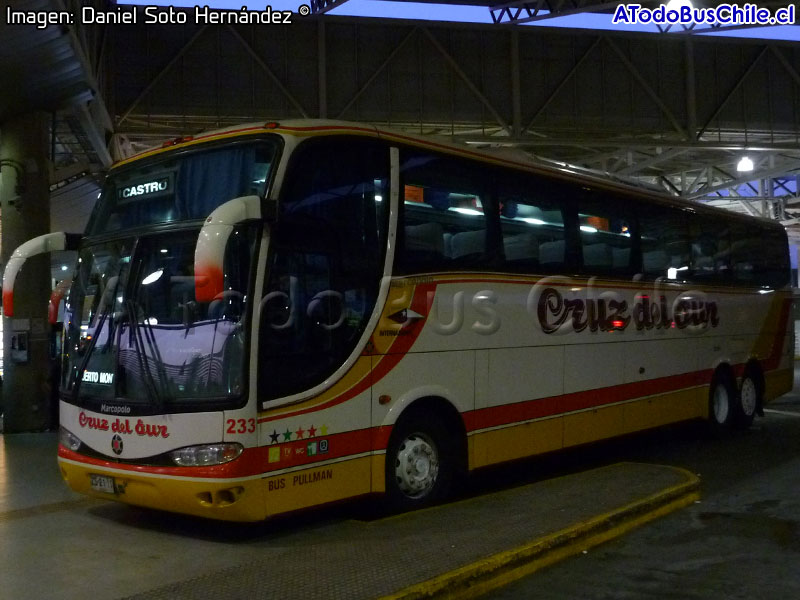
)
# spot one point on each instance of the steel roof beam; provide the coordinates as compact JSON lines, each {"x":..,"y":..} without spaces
{"x":653,"y":161}
{"x":512,"y":12}
{"x":737,"y":146}
{"x":783,"y":169}
{"x":319,"y":7}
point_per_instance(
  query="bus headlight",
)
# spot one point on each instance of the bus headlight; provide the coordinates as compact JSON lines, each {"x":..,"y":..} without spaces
{"x":66,"y":439}
{"x":206,"y":454}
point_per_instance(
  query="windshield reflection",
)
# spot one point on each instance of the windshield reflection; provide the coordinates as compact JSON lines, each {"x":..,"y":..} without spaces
{"x":136,"y":333}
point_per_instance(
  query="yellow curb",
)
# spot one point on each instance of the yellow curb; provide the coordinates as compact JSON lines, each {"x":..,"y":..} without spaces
{"x":480,"y":577}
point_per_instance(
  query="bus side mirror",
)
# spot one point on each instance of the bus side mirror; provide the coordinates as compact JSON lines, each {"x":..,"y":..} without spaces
{"x":49,"y":242}
{"x":209,"y":254}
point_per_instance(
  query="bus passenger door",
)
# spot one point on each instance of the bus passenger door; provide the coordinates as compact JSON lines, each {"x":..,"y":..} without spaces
{"x":322,"y":280}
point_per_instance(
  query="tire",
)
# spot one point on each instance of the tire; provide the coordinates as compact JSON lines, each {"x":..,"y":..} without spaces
{"x":723,"y":399}
{"x":420,"y":463}
{"x":747,"y":401}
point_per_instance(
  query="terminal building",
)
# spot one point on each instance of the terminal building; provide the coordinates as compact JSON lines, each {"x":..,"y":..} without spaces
{"x":453,"y":235}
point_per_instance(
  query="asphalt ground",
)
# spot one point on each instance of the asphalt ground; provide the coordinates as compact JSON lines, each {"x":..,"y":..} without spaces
{"x":92,"y":548}
{"x":509,"y":522}
{"x":741,"y":540}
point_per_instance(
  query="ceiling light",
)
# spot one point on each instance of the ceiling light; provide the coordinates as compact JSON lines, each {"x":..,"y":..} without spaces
{"x":745,"y":165}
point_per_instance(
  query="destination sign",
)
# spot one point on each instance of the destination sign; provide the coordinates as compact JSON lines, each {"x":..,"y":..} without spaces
{"x":157,"y":186}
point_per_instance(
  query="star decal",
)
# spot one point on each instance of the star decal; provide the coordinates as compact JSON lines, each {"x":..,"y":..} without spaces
{"x":324,"y":430}
{"x":273,"y":437}
{"x":299,"y":433}
{"x":287,"y":435}
{"x":312,"y":431}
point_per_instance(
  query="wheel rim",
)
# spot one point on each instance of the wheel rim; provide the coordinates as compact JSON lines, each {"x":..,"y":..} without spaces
{"x":417,"y":466}
{"x":749,"y":397}
{"x":721,"y":404}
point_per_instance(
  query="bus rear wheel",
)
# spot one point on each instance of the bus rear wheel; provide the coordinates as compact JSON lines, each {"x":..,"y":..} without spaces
{"x":723,"y":398}
{"x":419,"y":463}
{"x":749,"y":399}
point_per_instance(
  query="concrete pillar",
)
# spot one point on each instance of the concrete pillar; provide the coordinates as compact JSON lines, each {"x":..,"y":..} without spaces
{"x":26,"y":402}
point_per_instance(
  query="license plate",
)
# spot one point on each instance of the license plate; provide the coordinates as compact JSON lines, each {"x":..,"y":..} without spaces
{"x":102,"y":483}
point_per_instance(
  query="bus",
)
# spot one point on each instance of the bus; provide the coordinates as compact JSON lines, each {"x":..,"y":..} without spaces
{"x":273,"y":317}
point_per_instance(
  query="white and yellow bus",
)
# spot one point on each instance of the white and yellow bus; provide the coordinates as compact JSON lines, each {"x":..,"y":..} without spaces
{"x":274,"y":317}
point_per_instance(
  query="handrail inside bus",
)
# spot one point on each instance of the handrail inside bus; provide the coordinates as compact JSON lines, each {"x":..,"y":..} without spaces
{"x":209,"y":254}
{"x":49,"y":242}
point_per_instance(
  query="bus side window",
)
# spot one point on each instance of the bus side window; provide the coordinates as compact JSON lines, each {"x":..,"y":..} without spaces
{"x":711,"y":251}
{"x":531,"y":224}
{"x":746,"y":247}
{"x":606,"y":237}
{"x":772,"y":258}
{"x":443,"y":222}
{"x":664,"y":241}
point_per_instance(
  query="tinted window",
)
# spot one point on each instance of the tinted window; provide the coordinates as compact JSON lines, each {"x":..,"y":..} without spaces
{"x":746,"y":250}
{"x":326,"y":260}
{"x":606,"y":237}
{"x":532,"y":224}
{"x":182,"y":186}
{"x":772,"y":268}
{"x":711,"y":249}
{"x":665,"y":245}
{"x":444,"y":206}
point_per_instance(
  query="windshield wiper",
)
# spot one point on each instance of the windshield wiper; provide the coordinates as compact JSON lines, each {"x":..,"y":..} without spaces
{"x":144,"y":364}
{"x":105,"y":306}
{"x":76,"y":384}
{"x":150,"y":337}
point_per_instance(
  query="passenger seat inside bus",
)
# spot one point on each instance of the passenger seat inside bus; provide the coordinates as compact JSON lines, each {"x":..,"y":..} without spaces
{"x":523,"y":247}
{"x":424,"y":243}
{"x":552,"y":253}
{"x":597,"y":255}
{"x":621,"y":258}
{"x":468,"y":244}
{"x":655,"y":262}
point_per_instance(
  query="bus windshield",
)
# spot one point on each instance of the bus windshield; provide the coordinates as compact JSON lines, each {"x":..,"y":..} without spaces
{"x":135,"y":332}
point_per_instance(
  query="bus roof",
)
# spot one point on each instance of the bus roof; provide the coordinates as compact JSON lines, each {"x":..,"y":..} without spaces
{"x":503,"y":157}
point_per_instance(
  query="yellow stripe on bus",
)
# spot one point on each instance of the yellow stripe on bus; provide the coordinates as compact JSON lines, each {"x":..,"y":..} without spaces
{"x":246,"y":500}
{"x":315,"y":486}
{"x":553,"y":433}
{"x":777,"y":383}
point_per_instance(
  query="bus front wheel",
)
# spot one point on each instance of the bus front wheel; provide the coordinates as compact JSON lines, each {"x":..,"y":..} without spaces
{"x":419,"y":463}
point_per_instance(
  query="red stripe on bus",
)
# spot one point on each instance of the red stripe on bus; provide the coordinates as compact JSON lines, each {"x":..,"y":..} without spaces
{"x":247,"y":464}
{"x":295,"y":453}
{"x":588,"y":399}
{"x":253,"y":461}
